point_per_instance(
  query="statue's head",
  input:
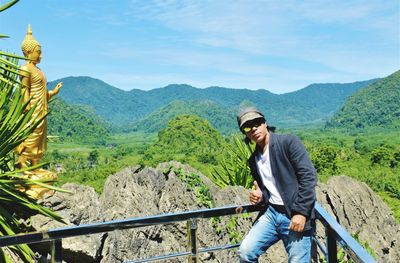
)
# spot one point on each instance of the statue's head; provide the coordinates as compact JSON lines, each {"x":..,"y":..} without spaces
{"x":30,"y":47}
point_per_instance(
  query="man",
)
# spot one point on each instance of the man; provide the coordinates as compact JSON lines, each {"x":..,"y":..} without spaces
{"x":284,"y":184}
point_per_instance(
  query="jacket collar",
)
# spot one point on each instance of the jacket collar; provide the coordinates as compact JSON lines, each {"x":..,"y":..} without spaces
{"x":271,"y":142}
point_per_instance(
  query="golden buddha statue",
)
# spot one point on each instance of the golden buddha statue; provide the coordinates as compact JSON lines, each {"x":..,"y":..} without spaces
{"x":34,"y":86}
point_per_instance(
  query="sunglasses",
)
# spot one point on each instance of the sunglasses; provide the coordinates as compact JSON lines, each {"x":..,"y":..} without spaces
{"x":248,"y":126}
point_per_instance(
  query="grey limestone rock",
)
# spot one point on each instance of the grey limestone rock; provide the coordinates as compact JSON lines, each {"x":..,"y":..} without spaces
{"x":361,"y":212}
{"x":134,"y":192}
{"x":81,"y":206}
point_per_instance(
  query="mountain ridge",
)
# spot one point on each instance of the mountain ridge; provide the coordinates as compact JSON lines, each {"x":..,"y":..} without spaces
{"x":222,"y":118}
{"x":122,"y":108}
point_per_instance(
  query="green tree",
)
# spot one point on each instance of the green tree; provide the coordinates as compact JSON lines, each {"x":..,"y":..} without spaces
{"x":58,"y":156}
{"x":386,"y":155}
{"x":76,"y":123}
{"x":325,"y":159}
{"x":93,"y":158}
{"x":357,"y":145}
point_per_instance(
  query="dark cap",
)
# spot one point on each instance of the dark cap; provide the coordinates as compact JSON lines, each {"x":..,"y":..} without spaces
{"x":248,"y":114}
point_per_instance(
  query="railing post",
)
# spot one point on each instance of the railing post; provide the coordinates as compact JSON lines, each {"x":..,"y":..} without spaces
{"x":331,"y":246}
{"x":314,"y":254}
{"x":56,"y":251}
{"x":192,"y":240}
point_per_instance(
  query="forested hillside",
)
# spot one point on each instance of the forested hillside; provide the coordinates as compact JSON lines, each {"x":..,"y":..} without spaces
{"x":377,"y":105}
{"x":187,"y":138}
{"x":222,"y":118}
{"x":76,"y":123}
{"x":328,"y":98}
{"x":114,"y":105}
{"x":313,"y":104}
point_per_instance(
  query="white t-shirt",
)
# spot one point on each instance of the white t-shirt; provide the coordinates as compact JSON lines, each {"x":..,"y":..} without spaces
{"x":264,"y":169}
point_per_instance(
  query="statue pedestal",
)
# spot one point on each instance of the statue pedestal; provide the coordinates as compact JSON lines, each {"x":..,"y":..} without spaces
{"x":37,"y":191}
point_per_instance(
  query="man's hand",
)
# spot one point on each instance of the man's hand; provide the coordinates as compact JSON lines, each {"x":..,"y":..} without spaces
{"x":256,"y":194}
{"x":297,"y":223}
{"x":239,"y":210}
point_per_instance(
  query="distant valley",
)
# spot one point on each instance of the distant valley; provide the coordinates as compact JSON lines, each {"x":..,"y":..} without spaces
{"x":151,"y":110}
{"x":349,"y":129}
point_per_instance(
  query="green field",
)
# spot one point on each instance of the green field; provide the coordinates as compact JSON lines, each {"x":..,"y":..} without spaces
{"x":92,"y":164}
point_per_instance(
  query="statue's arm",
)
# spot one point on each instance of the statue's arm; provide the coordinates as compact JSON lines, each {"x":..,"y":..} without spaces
{"x":55,"y":91}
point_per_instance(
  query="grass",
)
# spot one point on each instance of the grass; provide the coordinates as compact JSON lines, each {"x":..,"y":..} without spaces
{"x":69,"y":147}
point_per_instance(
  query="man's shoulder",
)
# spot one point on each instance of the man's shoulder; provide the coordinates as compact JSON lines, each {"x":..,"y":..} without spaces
{"x":284,"y":137}
{"x":289,"y":143}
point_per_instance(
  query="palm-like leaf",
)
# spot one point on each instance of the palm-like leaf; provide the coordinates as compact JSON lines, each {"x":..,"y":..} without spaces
{"x":233,"y":169}
{"x":8,"y":5}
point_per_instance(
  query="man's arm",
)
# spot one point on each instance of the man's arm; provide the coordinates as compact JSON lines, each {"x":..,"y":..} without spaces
{"x":306,"y":177}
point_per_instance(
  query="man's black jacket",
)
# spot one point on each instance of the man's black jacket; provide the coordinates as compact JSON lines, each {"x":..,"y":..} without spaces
{"x":294,"y":174}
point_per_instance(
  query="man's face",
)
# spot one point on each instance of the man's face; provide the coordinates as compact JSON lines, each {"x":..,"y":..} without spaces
{"x":256,"y":130}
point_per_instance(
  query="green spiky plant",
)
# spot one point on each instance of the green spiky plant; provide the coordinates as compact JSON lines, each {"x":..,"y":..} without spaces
{"x":16,"y":124}
{"x":233,"y":168}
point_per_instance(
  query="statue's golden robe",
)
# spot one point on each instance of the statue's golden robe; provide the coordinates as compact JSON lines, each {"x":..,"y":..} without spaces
{"x":36,"y":144}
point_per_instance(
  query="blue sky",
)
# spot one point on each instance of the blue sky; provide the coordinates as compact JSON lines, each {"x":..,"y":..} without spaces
{"x":280,"y":46}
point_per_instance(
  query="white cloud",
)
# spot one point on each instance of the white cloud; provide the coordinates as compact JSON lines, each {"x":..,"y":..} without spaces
{"x":276,"y":45}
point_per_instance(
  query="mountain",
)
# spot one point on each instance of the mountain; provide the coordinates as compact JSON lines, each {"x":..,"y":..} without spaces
{"x":112,"y":104}
{"x":313,"y":104}
{"x":327,"y":98}
{"x":224,"y":96}
{"x":76,"y":123}
{"x":374,"y":106}
{"x":222,"y":118}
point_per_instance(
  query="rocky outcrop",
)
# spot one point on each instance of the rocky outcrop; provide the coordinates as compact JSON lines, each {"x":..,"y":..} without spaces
{"x":80,"y":207}
{"x":362,"y":213}
{"x":134,"y":193}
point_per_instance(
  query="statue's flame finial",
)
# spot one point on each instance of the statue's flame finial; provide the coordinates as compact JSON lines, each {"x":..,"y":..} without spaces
{"x":29,"y":42}
{"x":29,"y":30}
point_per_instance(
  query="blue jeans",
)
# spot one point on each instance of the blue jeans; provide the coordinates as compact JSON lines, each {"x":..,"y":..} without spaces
{"x":271,"y":227}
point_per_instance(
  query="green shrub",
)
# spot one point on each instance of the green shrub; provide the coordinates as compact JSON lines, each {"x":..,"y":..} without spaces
{"x":233,"y":168}
{"x":194,"y":183}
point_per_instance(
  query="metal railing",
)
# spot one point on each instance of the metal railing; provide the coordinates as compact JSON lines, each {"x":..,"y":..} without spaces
{"x":335,"y":234}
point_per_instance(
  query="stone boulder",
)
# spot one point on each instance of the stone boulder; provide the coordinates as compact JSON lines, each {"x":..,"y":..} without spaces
{"x":362,"y":213}
{"x":133,"y":193}
{"x":80,"y":206}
